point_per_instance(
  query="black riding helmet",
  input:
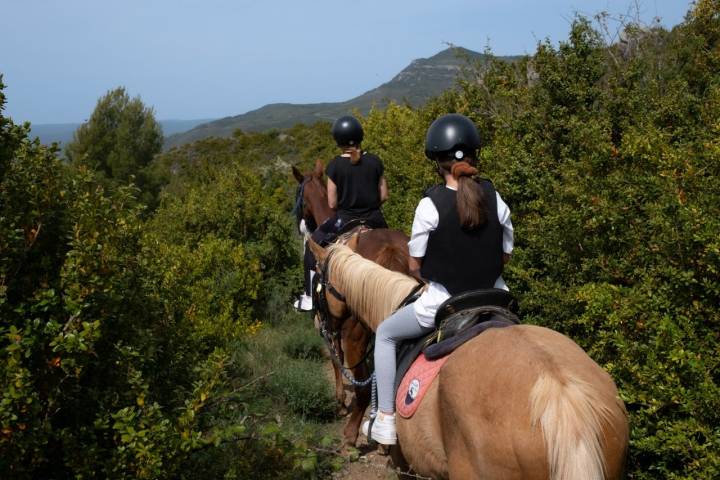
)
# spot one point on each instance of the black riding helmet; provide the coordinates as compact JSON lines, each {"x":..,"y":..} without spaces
{"x":347,"y":131}
{"x":452,"y":134}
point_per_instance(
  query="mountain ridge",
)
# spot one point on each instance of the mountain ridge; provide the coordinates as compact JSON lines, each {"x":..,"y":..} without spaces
{"x":421,"y":80}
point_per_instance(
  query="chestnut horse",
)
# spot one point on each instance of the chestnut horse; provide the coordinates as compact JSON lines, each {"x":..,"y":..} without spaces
{"x":383,"y":246}
{"x":521,"y":402}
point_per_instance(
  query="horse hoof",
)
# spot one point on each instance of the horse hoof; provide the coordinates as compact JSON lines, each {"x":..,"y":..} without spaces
{"x":383,"y":450}
{"x":348,"y":448}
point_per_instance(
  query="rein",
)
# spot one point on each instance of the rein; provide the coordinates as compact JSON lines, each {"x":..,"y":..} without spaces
{"x":299,"y":194}
{"x":323,"y":311}
{"x":325,"y":281}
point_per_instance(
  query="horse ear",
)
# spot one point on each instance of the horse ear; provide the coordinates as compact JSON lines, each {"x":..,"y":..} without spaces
{"x":319,"y":252}
{"x":318,"y":168}
{"x":298,"y":175}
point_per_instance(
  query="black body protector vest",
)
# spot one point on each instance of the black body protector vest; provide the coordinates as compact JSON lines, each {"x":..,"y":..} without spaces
{"x":461,"y":259}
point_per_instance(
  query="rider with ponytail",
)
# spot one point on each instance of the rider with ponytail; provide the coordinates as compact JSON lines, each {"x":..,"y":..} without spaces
{"x":356,"y":189}
{"x":461,"y":238}
{"x":356,"y":181}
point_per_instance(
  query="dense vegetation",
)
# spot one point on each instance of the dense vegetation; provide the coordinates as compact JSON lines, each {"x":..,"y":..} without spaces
{"x":610,"y":161}
{"x":131,"y":345}
{"x":158,"y":343}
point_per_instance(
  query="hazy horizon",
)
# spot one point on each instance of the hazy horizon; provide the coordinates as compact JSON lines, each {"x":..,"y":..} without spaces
{"x":206,"y":60}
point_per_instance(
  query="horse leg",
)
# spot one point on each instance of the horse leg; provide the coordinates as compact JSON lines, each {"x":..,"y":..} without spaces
{"x":339,"y":384}
{"x":400,"y":463}
{"x":339,"y":391}
{"x":356,"y":339}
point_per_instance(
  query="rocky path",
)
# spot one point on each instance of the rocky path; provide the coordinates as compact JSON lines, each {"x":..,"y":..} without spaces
{"x":366,"y":463}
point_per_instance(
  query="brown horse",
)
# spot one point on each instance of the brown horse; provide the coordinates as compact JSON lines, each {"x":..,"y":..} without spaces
{"x":383,"y":246}
{"x":522,"y":402}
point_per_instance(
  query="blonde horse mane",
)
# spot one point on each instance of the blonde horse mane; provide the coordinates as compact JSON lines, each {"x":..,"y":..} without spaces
{"x":371,"y":292}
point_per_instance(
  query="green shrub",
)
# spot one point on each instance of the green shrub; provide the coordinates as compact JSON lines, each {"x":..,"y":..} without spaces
{"x":609,"y":159}
{"x":162,"y":349}
{"x":304,"y":386}
{"x":115,"y":333}
{"x":302,"y":341}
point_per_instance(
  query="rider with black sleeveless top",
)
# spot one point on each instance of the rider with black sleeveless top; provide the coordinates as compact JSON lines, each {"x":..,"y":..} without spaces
{"x":358,"y":193}
{"x":356,"y":190}
{"x":356,"y":183}
{"x":461,"y":237}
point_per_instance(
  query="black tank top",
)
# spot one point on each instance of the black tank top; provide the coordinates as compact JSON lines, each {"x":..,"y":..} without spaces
{"x":357,"y":185}
{"x":461,"y":259}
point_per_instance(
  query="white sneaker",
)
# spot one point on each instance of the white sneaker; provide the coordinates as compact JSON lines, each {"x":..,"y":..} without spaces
{"x":304,"y":303}
{"x":383,"y":430}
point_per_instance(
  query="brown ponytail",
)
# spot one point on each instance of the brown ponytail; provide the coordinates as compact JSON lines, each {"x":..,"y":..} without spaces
{"x":470,"y":197}
{"x":355,"y":154}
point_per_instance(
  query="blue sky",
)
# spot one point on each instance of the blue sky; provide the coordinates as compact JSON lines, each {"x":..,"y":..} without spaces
{"x":208,"y":59}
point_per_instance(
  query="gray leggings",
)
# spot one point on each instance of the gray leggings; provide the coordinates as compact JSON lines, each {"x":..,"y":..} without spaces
{"x":399,"y":326}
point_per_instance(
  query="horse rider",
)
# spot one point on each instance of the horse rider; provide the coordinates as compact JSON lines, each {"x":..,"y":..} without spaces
{"x":356,"y":189}
{"x":461,"y":238}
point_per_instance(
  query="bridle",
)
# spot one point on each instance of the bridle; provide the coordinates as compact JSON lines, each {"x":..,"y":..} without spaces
{"x":324,"y":280}
{"x":330,"y":335}
{"x":299,"y":208}
{"x":321,"y":284}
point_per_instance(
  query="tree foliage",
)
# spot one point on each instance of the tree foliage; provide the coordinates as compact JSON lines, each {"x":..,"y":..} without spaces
{"x":132,"y":340}
{"x":607,"y":155}
{"x":117,"y":335}
{"x":119,"y":141}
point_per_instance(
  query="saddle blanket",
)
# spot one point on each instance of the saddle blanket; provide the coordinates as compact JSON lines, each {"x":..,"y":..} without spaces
{"x":416,"y":383}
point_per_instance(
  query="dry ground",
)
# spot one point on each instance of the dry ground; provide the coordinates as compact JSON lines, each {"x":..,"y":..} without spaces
{"x":371,"y":464}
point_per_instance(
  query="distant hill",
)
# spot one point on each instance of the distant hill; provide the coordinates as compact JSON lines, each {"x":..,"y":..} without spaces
{"x":417,"y":83}
{"x":63,"y":132}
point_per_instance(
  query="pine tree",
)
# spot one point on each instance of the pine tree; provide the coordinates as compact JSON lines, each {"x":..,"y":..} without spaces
{"x":119,"y":140}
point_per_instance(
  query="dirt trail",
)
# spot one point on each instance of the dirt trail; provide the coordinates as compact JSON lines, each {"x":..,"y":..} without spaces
{"x":371,"y":464}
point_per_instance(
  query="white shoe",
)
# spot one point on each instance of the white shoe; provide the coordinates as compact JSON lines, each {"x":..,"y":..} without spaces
{"x":304,"y":303}
{"x":383,"y":430}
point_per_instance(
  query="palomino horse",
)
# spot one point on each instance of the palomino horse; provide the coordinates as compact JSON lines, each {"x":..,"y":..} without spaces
{"x":522,"y":402}
{"x":383,"y":246}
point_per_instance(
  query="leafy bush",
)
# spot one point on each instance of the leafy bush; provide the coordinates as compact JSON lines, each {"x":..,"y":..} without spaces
{"x":114,"y":332}
{"x":303,"y":343}
{"x":614,"y":189}
{"x":159,"y":348}
{"x":608,"y":158}
{"x":304,"y":386}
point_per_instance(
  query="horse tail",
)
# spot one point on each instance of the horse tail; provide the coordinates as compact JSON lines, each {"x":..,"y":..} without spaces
{"x":571,"y":414}
{"x":393,"y":258}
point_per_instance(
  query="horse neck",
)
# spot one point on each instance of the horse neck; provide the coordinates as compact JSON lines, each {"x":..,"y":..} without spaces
{"x":372,"y":292}
{"x":320,"y":209}
{"x":387,"y":248}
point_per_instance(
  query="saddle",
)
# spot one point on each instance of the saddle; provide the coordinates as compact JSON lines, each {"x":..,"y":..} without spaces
{"x":342,"y":232}
{"x":459,"y":319}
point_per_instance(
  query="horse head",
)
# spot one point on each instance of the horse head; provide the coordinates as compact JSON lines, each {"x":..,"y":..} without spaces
{"x":311,"y":202}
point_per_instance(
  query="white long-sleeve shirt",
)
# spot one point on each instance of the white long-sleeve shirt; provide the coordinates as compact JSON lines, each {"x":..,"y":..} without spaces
{"x":427,"y":220}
